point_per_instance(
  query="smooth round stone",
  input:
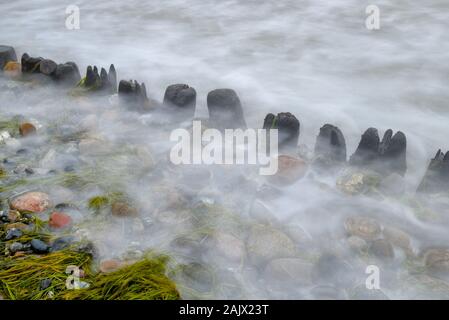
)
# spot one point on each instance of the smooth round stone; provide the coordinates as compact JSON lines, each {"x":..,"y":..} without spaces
{"x":39,"y":246}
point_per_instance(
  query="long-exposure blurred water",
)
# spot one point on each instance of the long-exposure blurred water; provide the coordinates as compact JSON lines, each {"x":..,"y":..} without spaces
{"x":315,"y":59}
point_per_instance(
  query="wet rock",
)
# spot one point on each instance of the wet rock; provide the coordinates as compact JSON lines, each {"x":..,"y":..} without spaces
{"x":39,"y":246}
{"x":133,"y":95}
{"x":91,"y":77}
{"x":13,"y":233}
{"x":23,"y":169}
{"x":289,"y":270}
{"x":368,"y":150}
{"x":392,"y":152}
{"x":47,"y":67}
{"x":16,"y":247}
{"x":436,"y":178}
{"x":437,"y":261}
{"x":229,"y":246}
{"x":45,"y":283}
{"x":67,"y":73}
{"x":88,"y":247}
{"x":107,"y":266}
{"x":363,"y":227}
{"x":197,"y":277}
{"x":27,"y":129}
{"x":17,"y":225}
{"x":225,"y":109}
{"x":331,"y":269}
{"x":266,"y":243}
{"x":7,"y":54}
{"x":290,"y":170}
{"x":122,"y":209}
{"x":59,"y":220}
{"x":354,"y":183}
{"x":13,"y":216}
{"x":357,"y":244}
{"x":182,"y":97}
{"x":30,"y":64}
{"x":288,"y":127}
{"x":12,"y":69}
{"x":382,"y":248}
{"x":261,"y":212}
{"x":330,"y":146}
{"x":61,"y":243}
{"x":35,"y":202}
{"x":112,"y":78}
{"x":386,"y":156}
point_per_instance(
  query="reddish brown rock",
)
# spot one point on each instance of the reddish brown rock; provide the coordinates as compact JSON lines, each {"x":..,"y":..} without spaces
{"x":27,"y":129}
{"x":35,"y":202}
{"x":59,"y":220}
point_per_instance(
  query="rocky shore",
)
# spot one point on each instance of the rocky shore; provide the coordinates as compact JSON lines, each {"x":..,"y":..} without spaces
{"x":227,"y":235}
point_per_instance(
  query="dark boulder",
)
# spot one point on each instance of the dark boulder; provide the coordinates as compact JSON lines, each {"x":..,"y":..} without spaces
{"x":392,"y":152}
{"x":225,"y":109}
{"x":288,"y":127}
{"x":436,"y":178}
{"x":182,"y":98}
{"x":133,"y":95}
{"x":112,"y":78}
{"x":330,"y":146}
{"x":7,"y":54}
{"x":67,"y":73}
{"x":47,"y":67}
{"x":30,"y":64}
{"x":387,"y":156}
{"x":39,"y":246}
{"x":368,"y":150}
{"x":92,"y":77}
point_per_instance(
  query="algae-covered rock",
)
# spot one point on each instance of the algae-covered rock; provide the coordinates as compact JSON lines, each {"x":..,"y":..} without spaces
{"x":354,"y":183}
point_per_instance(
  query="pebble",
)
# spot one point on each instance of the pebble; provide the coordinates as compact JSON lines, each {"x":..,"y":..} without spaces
{"x":61,"y":243}
{"x":35,"y":202}
{"x":59,"y":220}
{"x":45,"y":283}
{"x":13,"y":234}
{"x":15,"y":247}
{"x":27,"y":129}
{"x":39,"y":246}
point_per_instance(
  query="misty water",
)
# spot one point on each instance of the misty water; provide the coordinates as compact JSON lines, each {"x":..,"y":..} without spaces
{"x":315,"y":59}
